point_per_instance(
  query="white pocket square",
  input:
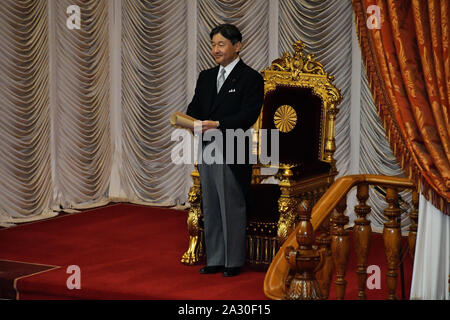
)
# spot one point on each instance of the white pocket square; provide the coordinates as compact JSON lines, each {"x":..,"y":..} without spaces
{"x":231,"y":90}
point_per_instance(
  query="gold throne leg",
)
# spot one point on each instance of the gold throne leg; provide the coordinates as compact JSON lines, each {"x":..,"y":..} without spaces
{"x":195,"y":248}
{"x":287,"y":207}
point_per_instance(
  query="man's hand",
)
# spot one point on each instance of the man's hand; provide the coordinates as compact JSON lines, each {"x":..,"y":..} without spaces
{"x":209,"y":124}
{"x":202,"y":126}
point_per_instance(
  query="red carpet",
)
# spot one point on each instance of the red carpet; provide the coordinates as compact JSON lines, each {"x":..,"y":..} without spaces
{"x":128,"y":251}
{"x":124,"y":252}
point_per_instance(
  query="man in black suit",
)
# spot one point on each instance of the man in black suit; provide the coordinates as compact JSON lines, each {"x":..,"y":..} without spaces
{"x":228,"y":96}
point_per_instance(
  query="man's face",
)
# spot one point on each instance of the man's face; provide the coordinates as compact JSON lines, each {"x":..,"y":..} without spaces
{"x":223,"y":50}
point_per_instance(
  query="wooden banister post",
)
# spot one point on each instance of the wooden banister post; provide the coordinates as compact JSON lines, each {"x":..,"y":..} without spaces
{"x":325,"y":274}
{"x":414,"y":217}
{"x":304,"y":260}
{"x":392,"y":240}
{"x":362,"y":233}
{"x":340,"y":247}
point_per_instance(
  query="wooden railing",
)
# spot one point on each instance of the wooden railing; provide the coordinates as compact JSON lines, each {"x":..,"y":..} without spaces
{"x":293,"y":273}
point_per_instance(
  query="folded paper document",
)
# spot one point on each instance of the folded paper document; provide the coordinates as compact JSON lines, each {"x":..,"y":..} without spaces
{"x":180,"y":119}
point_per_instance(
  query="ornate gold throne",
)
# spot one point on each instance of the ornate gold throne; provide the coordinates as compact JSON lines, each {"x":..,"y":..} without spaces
{"x":300,"y":101}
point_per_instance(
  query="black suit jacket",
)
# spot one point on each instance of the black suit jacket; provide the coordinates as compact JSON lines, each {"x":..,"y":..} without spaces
{"x":236,"y":106}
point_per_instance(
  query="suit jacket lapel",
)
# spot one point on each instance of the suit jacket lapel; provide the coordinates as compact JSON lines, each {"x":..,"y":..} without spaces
{"x":229,"y":82}
{"x":214,"y":80}
{"x":212,"y":90}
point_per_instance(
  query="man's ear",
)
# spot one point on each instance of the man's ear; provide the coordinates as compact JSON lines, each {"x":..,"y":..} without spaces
{"x":238,"y":46}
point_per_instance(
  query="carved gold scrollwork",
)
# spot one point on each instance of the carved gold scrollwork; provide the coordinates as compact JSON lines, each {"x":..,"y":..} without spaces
{"x":301,"y":62}
{"x":195,"y":250}
{"x":288,"y":217}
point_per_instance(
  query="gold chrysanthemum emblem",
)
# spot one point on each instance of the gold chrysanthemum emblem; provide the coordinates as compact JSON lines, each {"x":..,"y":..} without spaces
{"x":285,"y":118}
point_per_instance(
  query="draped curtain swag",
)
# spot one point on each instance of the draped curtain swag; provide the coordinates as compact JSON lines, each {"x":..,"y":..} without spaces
{"x":25,"y":184}
{"x":80,"y":108}
{"x":408,"y":66}
{"x":154,"y":70}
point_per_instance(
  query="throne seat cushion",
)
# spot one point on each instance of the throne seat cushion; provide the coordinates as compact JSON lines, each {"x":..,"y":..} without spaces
{"x":263,"y":203}
{"x":310,"y":169}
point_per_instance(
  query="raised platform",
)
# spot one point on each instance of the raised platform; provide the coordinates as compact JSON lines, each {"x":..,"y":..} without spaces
{"x":127,"y":251}
{"x":124,"y":251}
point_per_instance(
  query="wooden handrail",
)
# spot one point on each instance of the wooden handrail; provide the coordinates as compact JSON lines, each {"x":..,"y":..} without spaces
{"x":274,"y":282}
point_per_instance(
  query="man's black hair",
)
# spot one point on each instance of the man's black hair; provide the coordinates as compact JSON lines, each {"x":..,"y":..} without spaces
{"x":229,"y":31}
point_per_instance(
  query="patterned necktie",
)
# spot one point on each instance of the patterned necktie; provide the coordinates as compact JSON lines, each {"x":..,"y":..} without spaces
{"x":220,"y":80}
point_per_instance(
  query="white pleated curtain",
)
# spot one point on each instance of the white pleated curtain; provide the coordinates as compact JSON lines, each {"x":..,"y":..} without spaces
{"x":86,"y":111}
{"x":79,"y":105}
{"x":25,"y":170}
{"x":154,"y":72}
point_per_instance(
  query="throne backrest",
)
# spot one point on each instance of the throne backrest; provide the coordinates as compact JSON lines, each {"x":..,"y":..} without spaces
{"x":300,"y":100}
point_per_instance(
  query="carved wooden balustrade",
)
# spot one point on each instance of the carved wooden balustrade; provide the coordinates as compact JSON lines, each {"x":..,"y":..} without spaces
{"x":306,"y":272}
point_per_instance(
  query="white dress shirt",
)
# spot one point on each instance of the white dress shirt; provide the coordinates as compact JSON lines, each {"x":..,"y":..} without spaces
{"x":228,"y":68}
